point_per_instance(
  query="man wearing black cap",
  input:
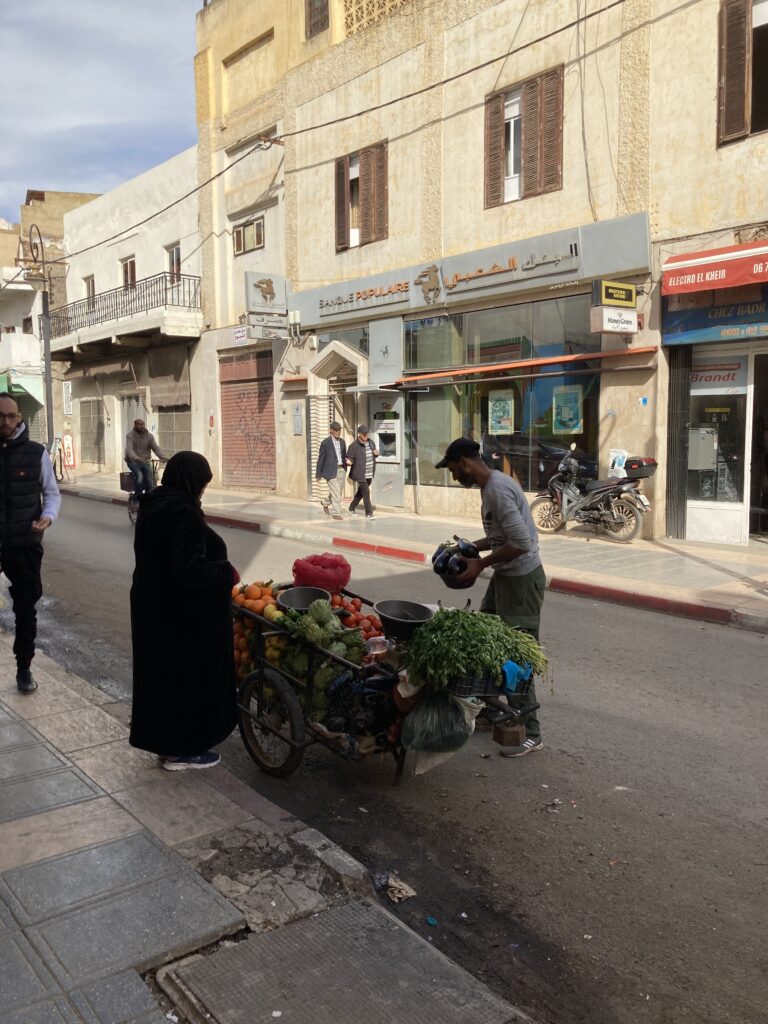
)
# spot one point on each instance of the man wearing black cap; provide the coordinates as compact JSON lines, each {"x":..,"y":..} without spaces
{"x":331,"y":467}
{"x":361,"y":459}
{"x":516,"y":590}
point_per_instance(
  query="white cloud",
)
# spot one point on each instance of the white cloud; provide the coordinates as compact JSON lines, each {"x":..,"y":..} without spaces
{"x":99,"y":92}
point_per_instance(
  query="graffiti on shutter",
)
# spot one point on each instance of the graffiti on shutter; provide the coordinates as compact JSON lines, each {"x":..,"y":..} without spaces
{"x":248,"y":434}
{"x":735,"y":60}
{"x":494,"y":151}
{"x":320,"y":414}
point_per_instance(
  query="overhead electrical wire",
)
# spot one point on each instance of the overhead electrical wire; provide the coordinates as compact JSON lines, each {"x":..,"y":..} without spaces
{"x":268,"y":142}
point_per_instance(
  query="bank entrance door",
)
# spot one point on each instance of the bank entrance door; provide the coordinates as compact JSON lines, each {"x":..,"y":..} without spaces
{"x":758,"y":496}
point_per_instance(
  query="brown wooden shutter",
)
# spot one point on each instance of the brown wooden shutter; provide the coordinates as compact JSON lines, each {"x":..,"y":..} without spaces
{"x":380,"y":192}
{"x":367,"y":186}
{"x":529,"y":163}
{"x":342,"y":204}
{"x":734,"y":72}
{"x":495,"y":156}
{"x":551,"y":131}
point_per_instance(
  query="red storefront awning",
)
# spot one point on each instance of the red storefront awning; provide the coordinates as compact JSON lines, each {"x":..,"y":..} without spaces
{"x":732,"y":267}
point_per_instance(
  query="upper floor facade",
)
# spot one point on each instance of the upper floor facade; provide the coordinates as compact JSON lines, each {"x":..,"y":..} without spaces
{"x":132,"y":275}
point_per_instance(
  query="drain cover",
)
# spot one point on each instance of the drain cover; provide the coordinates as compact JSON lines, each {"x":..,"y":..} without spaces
{"x":350,"y":964}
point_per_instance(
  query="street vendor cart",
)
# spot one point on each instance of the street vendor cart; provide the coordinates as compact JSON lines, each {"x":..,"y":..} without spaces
{"x":306,"y":681}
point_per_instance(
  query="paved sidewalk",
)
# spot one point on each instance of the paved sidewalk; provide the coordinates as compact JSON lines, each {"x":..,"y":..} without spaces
{"x":111,"y":867}
{"x":717,"y":583}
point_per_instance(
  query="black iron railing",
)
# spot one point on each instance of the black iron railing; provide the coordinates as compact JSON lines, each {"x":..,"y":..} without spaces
{"x":181,"y":290}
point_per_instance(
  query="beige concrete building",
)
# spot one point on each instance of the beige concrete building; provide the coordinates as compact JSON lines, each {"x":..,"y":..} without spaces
{"x":448,"y":184}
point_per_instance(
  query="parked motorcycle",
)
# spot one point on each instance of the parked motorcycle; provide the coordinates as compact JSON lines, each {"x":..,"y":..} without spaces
{"x":617,"y":505}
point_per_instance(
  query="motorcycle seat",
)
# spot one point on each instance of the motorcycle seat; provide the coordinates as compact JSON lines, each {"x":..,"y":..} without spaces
{"x":597,"y":485}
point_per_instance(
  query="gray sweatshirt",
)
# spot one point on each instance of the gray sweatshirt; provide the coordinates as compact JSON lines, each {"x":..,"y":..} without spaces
{"x":139,"y":447}
{"x":507,"y":519}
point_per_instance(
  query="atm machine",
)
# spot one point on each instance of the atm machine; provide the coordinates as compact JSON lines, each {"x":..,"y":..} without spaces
{"x":386,"y":419}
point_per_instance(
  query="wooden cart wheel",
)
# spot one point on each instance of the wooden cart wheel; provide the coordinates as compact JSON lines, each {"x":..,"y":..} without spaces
{"x":279,"y":708}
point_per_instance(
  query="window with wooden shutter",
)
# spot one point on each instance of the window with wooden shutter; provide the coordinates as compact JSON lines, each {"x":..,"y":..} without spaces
{"x":362,"y":197}
{"x":342,"y":204}
{"x":495,"y":150}
{"x":524,"y":140}
{"x":735,"y":67}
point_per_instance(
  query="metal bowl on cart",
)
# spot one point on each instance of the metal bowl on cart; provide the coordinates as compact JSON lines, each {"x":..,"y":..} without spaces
{"x":300,"y":598}
{"x":401,"y":619}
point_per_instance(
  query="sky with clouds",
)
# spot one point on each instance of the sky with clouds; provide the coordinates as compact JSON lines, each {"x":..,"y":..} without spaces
{"x":94,"y":92}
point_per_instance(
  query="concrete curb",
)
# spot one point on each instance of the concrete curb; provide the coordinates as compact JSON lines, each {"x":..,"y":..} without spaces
{"x":700,"y":610}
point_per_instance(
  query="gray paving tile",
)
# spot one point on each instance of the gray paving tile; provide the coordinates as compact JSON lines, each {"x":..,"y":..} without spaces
{"x":5,"y":715}
{"x":16,"y":734}
{"x":354,"y":963}
{"x":6,"y":921}
{"x":52,"y":1011}
{"x":39,"y":891}
{"x":24,"y":761}
{"x":21,"y":798}
{"x":139,"y":929}
{"x":23,"y":977}
{"x":120,"y":999}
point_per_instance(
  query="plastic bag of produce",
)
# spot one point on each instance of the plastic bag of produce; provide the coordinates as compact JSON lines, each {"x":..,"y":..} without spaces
{"x":437,"y":723}
{"x":330,"y":572}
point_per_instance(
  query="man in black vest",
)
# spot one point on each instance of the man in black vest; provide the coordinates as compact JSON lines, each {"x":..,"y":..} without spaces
{"x":29,"y":503}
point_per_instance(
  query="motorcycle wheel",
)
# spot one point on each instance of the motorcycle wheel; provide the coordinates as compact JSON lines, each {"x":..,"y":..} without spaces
{"x":547,"y":517}
{"x":626,"y":525}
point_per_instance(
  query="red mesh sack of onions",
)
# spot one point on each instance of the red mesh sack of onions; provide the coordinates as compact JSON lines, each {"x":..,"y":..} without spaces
{"x":330,"y":572}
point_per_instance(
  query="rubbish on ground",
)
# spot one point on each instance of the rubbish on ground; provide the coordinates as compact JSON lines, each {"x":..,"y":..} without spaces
{"x":514,"y":945}
{"x":621,"y":789}
{"x":363,"y":809}
{"x":544,"y":785}
{"x":587,"y":936}
{"x":431,"y":921}
{"x":554,"y":805}
{"x":485,"y":755}
{"x":572,"y":803}
{"x":172,"y":1017}
{"x":462,"y":914}
{"x":277,"y":1013}
{"x":398,"y":890}
{"x":380,"y":880}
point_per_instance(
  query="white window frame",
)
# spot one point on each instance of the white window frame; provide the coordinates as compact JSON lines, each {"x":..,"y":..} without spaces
{"x":174,"y":262}
{"x":240,"y":240}
{"x":513,"y":126}
{"x":354,"y":176}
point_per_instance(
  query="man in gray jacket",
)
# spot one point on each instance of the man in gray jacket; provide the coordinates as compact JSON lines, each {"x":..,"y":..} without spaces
{"x":516,"y":590}
{"x":139,"y":446}
{"x":331,"y":467}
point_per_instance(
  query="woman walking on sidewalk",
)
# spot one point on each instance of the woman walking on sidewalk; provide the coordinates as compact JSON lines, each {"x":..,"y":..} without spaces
{"x":184,"y":693}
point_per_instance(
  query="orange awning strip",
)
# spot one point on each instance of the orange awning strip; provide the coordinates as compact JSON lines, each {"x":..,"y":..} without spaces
{"x":466,"y":371}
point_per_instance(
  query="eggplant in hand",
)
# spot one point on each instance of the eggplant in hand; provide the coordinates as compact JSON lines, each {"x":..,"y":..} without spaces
{"x":466,"y":548}
{"x":441,"y":561}
{"x":456,"y":565}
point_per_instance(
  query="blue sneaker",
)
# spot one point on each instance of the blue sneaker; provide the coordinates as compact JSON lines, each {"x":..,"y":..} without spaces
{"x":180,"y":764}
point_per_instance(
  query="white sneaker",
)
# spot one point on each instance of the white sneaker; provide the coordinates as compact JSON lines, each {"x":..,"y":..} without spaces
{"x":525,"y":748}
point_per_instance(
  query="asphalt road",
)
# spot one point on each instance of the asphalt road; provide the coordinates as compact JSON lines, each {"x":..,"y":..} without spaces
{"x":618,"y":876}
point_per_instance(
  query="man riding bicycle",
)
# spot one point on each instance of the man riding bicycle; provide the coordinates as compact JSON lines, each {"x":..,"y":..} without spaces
{"x":139,"y":446}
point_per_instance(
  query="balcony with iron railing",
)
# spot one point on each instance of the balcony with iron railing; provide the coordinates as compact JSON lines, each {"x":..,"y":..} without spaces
{"x":131,"y":306}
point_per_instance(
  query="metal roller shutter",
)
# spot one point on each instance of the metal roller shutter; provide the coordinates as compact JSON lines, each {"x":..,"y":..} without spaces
{"x":248,"y":422}
{"x":321,"y":411}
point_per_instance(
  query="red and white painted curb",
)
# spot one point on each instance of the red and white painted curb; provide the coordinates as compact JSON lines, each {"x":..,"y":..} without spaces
{"x":559,"y":584}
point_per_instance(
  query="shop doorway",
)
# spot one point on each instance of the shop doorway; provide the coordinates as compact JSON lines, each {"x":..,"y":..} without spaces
{"x":758,"y":496}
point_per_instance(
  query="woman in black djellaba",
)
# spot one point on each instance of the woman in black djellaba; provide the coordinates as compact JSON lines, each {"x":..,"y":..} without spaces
{"x":184,"y":689}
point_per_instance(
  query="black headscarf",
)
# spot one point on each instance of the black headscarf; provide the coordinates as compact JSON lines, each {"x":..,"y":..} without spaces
{"x":187,"y":472}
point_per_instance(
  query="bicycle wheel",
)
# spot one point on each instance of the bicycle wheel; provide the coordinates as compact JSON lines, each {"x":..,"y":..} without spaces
{"x":547,"y":517}
{"x":133,"y":508}
{"x":626,"y":525}
{"x":281,"y":712}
